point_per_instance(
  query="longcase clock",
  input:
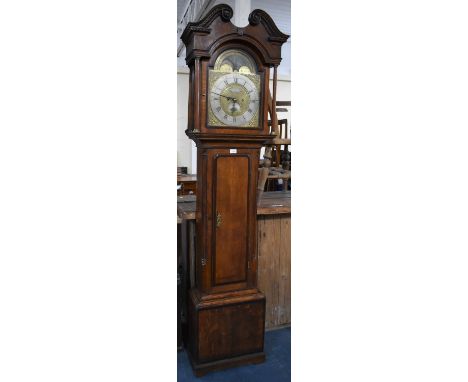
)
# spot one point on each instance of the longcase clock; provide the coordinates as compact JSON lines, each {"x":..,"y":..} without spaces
{"x":229,"y":98}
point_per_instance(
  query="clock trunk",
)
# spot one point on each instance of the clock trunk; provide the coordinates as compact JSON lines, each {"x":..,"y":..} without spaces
{"x":226,"y":217}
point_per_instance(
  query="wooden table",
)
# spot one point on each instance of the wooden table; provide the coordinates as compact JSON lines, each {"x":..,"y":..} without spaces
{"x":274,"y":251}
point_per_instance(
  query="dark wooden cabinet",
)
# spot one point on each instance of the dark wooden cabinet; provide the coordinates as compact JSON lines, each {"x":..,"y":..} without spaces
{"x":228,"y":120}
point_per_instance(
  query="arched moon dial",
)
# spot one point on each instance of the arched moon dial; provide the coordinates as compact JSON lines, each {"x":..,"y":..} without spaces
{"x":234,"y":99}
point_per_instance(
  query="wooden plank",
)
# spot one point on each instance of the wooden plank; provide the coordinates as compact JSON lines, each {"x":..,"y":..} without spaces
{"x":281,"y":141}
{"x":276,"y":195}
{"x":187,"y":178}
{"x":186,"y":207}
{"x":263,"y":269}
{"x":191,"y":251}
{"x":186,"y":198}
{"x":268,"y":266}
{"x":285,"y":271}
{"x":275,"y":238}
{"x":274,"y":207}
{"x":273,"y":203}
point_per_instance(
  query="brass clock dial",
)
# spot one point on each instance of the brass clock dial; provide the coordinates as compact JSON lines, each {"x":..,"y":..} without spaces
{"x":234,"y":99}
{"x":234,"y":91}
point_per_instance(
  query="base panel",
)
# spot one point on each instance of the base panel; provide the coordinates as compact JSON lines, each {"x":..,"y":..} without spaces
{"x":226,"y":332}
{"x":200,"y":369}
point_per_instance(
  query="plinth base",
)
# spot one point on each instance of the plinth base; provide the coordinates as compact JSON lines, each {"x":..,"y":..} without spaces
{"x":200,"y":369}
{"x":225,"y":331}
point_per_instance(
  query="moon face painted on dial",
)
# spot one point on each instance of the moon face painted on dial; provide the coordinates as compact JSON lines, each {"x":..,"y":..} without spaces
{"x":234,"y":99}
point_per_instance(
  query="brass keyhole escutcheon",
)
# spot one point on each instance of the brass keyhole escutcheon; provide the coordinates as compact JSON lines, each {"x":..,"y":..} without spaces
{"x":218,"y":219}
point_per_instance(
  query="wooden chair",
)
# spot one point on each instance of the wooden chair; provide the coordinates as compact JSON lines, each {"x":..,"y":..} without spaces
{"x":274,"y":157}
{"x":262,"y":178}
{"x":279,"y":140}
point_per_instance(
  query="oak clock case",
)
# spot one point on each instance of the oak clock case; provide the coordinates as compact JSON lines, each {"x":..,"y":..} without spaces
{"x":230,"y":69}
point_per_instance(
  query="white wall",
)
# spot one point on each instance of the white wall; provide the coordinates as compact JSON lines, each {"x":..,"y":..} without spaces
{"x":283,"y":93}
{"x":186,"y":150}
{"x":184,"y":146}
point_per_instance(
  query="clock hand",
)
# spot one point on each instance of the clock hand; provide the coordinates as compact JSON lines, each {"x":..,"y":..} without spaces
{"x":222,"y":95}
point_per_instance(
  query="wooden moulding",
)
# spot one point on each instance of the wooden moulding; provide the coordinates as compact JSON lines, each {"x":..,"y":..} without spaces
{"x":249,"y":359}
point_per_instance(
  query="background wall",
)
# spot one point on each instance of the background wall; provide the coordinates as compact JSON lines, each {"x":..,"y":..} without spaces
{"x":184,"y":144}
{"x":186,"y":150}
